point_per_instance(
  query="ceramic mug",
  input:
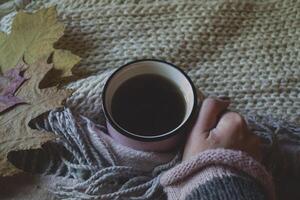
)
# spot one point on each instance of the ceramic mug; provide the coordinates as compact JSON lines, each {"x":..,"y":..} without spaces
{"x":159,"y":142}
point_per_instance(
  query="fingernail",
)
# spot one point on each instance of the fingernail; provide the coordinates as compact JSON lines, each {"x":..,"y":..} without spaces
{"x":224,"y":98}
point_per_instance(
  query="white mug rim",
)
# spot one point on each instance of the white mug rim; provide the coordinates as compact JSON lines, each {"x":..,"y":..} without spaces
{"x":155,"y":137}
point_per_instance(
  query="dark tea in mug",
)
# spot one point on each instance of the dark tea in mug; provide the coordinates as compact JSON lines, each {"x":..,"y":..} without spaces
{"x":148,"y":105}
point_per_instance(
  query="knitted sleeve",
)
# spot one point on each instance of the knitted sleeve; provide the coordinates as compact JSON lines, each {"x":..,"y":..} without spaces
{"x":232,"y":187}
{"x":220,"y":175}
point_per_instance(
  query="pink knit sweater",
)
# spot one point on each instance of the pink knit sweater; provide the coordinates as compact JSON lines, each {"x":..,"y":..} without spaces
{"x":179,"y":181}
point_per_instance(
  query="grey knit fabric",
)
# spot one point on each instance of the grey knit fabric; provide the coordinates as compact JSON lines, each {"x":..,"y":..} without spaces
{"x":102,"y":168}
{"x":81,"y":155}
{"x":228,"y":188}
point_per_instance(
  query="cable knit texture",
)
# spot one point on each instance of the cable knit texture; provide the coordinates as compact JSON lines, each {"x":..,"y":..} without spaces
{"x":245,"y":49}
{"x":182,"y":189}
{"x":235,"y":160}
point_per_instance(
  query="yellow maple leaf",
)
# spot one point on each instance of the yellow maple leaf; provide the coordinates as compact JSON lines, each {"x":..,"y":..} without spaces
{"x":32,"y":37}
{"x":64,"y":60}
{"x":15,"y":134}
{"x":3,"y":37}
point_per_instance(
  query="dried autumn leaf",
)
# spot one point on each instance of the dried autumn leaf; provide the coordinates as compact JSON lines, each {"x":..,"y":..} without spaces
{"x":32,"y":37}
{"x":3,"y":37}
{"x":15,"y":134}
{"x":64,"y":61}
{"x":9,"y":83}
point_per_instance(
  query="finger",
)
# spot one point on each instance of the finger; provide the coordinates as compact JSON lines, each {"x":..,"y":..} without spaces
{"x":230,"y":128}
{"x":211,"y":110}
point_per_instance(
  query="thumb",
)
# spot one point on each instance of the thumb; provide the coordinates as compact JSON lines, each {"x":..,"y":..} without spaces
{"x":207,"y":119}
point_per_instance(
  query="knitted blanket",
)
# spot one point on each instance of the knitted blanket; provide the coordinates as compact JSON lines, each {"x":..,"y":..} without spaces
{"x":93,"y":166}
{"x":245,"y":49}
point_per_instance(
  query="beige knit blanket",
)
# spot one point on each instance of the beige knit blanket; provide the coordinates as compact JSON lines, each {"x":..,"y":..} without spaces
{"x":248,"y":50}
{"x":245,"y":49}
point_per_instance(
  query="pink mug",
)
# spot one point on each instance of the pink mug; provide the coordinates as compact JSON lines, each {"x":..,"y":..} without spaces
{"x":159,"y":142}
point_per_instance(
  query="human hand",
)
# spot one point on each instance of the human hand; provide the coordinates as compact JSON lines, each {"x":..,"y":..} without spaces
{"x":216,"y":128}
